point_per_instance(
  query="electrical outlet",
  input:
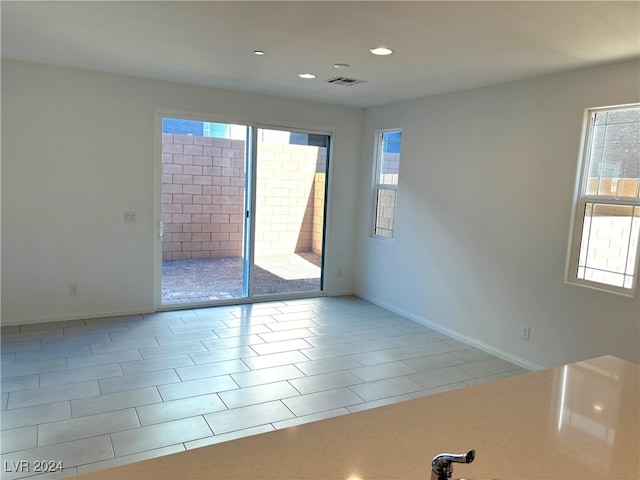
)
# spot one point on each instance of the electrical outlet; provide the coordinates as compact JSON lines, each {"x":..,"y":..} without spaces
{"x":524,"y":334}
{"x":73,"y":290}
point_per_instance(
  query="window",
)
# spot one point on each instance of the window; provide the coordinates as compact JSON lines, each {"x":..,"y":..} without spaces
{"x":385,"y":185}
{"x":604,"y":248}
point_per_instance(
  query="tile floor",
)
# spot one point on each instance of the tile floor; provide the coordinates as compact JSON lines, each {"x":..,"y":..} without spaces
{"x":98,"y":393}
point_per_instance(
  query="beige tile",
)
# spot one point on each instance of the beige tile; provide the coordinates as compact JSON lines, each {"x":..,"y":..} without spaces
{"x":256,"y":366}
{"x":443,"y":388}
{"x":381,"y":356}
{"x":266,"y":375}
{"x":183,"y":408}
{"x":40,"y":396}
{"x":21,"y":417}
{"x":211,"y":369}
{"x":124,"y":344}
{"x":286,"y":335}
{"x":170,"y":350}
{"x":483,"y":368}
{"x":85,"y":427}
{"x":19,"y":346}
{"x":332,"y":339}
{"x":273,"y":360}
{"x":433,"y":362}
{"x":292,"y":325}
{"x":279,"y":347}
{"x":134,"y":382}
{"x":201,"y":386}
{"x":160,"y":435}
{"x":154,"y":364}
{"x":18,"y":439}
{"x":52,"y":353}
{"x":15,"y":384}
{"x":382,"y":371}
{"x":294,"y":316}
{"x":23,"y":369}
{"x":80,"y":375}
{"x":223,"y":354}
{"x":432,"y":348}
{"x":185,"y":337}
{"x":114,"y":401}
{"x":103,"y":359}
{"x":390,"y":387}
{"x":257,"y":394}
{"x":242,"y":331}
{"x":233,"y":342}
{"x":326,"y":365}
{"x":329,"y":351}
{"x":322,"y":401}
{"x":139,"y":332}
{"x":324,"y":381}
{"x":471,"y":355}
{"x":203,"y":325}
{"x":70,"y":454}
{"x":248,"y":417}
{"x":440,"y":377}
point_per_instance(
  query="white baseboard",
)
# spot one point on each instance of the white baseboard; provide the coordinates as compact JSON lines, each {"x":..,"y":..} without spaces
{"x":485,"y":347}
{"x":341,"y":293}
{"x":122,"y":313}
{"x":71,"y":316}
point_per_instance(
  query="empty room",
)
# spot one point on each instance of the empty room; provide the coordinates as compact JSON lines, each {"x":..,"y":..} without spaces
{"x":320,"y":240}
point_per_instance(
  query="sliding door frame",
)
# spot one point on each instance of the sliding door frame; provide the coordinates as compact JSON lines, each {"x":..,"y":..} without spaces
{"x":250,"y":206}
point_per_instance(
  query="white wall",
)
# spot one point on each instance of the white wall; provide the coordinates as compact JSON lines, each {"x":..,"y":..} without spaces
{"x":66,"y":185}
{"x":485,"y":197}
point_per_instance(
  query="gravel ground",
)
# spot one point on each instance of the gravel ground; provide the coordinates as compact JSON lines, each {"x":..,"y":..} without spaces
{"x":221,"y":278}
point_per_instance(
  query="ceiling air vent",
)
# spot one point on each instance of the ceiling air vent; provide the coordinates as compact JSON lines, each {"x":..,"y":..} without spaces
{"x":344,"y":81}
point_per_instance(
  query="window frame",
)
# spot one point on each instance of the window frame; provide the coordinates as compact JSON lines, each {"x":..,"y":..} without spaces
{"x":582,"y":199}
{"x":378,"y":187}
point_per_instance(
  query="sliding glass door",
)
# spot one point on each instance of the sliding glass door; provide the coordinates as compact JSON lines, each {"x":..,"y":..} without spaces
{"x":290,"y":211}
{"x":243,"y":212}
{"x":204,"y":179}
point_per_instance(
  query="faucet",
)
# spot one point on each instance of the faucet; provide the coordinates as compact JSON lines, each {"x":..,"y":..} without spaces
{"x":441,"y":468}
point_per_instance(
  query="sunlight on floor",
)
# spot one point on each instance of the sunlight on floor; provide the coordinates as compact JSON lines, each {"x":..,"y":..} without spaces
{"x":288,"y":267}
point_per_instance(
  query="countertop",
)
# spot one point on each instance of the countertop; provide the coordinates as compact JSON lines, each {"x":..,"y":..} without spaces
{"x":578,"y":421}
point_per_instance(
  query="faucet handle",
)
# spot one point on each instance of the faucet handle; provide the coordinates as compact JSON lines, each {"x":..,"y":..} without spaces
{"x":441,"y":465}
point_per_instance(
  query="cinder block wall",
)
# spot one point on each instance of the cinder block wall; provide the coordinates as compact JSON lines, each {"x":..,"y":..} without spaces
{"x":203,"y":198}
{"x":289,"y":199}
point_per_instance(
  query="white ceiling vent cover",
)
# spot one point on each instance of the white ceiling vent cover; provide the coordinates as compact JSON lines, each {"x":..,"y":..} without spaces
{"x":344,"y":81}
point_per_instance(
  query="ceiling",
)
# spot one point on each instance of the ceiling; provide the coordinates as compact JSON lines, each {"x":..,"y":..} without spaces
{"x":438,"y":46}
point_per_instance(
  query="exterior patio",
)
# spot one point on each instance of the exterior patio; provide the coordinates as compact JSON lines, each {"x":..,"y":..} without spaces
{"x":210,"y":279}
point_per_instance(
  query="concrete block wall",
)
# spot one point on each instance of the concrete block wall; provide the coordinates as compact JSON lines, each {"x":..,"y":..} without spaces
{"x":288,"y":214}
{"x":385,"y":212}
{"x":203,"y":198}
{"x":609,"y":240}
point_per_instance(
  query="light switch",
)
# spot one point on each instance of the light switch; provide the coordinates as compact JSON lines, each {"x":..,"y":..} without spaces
{"x":129,"y":217}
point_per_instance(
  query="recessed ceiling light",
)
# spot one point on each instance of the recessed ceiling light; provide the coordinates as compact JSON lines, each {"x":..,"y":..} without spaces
{"x":258,"y":52}
{"x":341,"y":65}
{"x":381,"y":51}
{"x":306,"y":75}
